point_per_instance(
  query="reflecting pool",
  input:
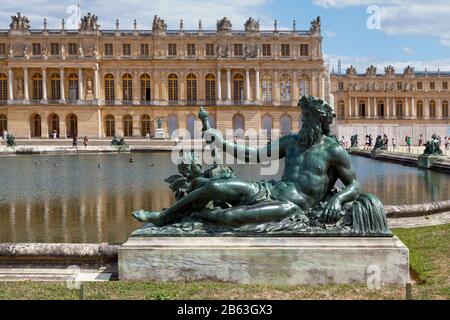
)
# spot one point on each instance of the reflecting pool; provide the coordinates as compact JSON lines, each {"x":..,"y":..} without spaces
{"x":89,"y":198}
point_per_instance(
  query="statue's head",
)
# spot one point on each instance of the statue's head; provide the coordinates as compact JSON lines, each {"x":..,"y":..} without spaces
{"x":317,"y":119}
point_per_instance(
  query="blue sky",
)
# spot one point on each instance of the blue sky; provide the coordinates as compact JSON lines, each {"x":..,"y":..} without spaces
{"x":412,"y":32}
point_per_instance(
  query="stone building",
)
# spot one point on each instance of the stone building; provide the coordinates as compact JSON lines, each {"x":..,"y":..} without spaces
{"x":397,"y":104}
{"x":101,"y":83}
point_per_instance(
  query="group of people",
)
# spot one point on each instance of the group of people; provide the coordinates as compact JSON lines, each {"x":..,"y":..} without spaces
{"x":75,"y":141}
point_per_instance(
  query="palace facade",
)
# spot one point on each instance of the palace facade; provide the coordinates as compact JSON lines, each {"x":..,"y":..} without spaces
{"x":402,"y":104}
{"x":104,"y":83}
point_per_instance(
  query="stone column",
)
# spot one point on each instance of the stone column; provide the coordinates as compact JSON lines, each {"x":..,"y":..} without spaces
{"x":350,"y":109}
{"x":394,"y":108}
{"x":44,"y":85}
{"x":219,"y":86}
{"x":387,"y":109}
{"x":117,"y":89}
{"x":155,"y":87}
{"x":96,"y":84}
{"x":375,"y":107}
{"x":295,"y":89}
{"x":10,"y":86}
{"x":413,"y":108}
{"x":136,"y":89}
{"x":276,"y":89}
{"x":228,"y":85}
{"x":80,"y":85}
{"x":63,"y":95}
{"x":369,"y":105}
{"x":439,"y":108}
{"x":257,"y":84}
{"x":407,"y":112}
{"x":247,"y":85}
{"x":182,"y":93}
{"x":25,"y":85}
{"x":355,"y":100}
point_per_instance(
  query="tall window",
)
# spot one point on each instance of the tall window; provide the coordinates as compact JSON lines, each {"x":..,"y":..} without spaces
{"x":304,"y":86}
{"x":172,"y":49}
{"x":191,"y":49}
{"x":433,"y":109}
{"x":146,"y":125}
{"x":146,"y":93}
{"x":36,"y":49}
{"x":210,"y":87}
{"x":190,"y":124}
{"x":266,"y":88}
{"x":419,"y":85}
{"x":37,"y":86}
{"x":36,"y":126}
{"x":341,"y":86}
{"x":399,"y":86}
{"x":55,"y":84}
{"x":3,"y":88}
{"x":399,"y":107}
{"x":126,"y":49}
{"x":3,"y":123}
{"x":53,"y":125}
{"x":285,"y":50}
{"x":73,"y":49}
{"x":445,"y":108}
{"x":267,"y":50}
{"x":191,"y":87}
{"x":380,"y":108}
{"x":72,"y":126}
{"x":73,"y":87}
{"x":432,"y":86}
{"x":267,"y":125}
{"x":286,"y":125}
{"x":239,"y":126}
{"x":109,"y":51}
{"x":144,"y":49}
{"x":445,"y":85}
{"x":110,"y":126}
{"x":238,"y":51}
{"x":285,"y":89}
{"x":341,"y":110}
{"x":172,"y":124}
{"x":128,"y":126}
{"x":127,"y":87}
{"x":109,"y":88}
{"x":2,"y":49}
{"x":362,"y":108}
{"x":238,"y":88}
{"x":419,"y":109}
{"x":173,"y":87}
{"x":54,"y":49}
{"x":304,"y":50}
{"x":209,"y":47}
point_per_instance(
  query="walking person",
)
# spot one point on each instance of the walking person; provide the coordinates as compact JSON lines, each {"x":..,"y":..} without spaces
{"x":409,"y":144}
{"x":446,"y":143}
{"x":420,"y":140}
{"x":394,"y":144}
{"x":85,"y":142}
{"x":75,"y":141}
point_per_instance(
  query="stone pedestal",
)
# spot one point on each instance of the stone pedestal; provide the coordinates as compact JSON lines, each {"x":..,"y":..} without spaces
{"x":426,"y":161}
{"x":266,"y":261}
{"x":160,"y":134}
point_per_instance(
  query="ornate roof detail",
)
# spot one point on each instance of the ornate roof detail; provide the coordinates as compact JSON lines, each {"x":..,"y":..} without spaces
{"x":224,"y":25}
{"x":89,"y":23}
{"x":351,"y":70}
{"x":19,"y":23}
{"x":371,"y":71}
{"x":389,"y":70}
{"x":409,"y":71}
{"x":315,"y":26}
{"x":159,"y":25}
{"x":252,"y":25}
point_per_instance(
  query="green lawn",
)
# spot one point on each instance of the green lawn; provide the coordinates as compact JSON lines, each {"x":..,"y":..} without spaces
{"x":430,"y":261}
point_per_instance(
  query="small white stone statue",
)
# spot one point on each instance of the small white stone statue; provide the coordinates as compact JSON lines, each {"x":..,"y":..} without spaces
{"x":44,"y":53}
{"x":63,"y":52}
{"x":19,"y":85}
{"x":80,"y":52}
{"x":10,"y":51}
{"x":89,"y":89}
{"x":26,"y":52}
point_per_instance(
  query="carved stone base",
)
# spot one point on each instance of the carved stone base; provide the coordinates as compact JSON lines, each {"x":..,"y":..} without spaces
{"x":160,"y":134}
{"x":426,"y":162}
{"x":266,"y":261}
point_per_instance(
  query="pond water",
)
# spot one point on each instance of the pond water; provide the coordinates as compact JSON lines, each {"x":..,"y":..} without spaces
{"x":89,"y":198}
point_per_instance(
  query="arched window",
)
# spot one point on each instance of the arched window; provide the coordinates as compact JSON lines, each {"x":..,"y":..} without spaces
{"x":3,"y":123}
{"x":109,"y":89}
{"x":239,"y":126}
{"x":266,"y":86}
{"x":304,"y":86}
{"x":285,"y":89}
{"x":55,"y":87}
{"x":37,"y":87}
{"x":191,"y":88}
{"x":419,"y":109}
{"x":190,"y":124}
{"x":399,"y":108}
{"x":210,"y":87}
{"x":286,"y":125}
{"x":172,"y":124}
{"x":173,"y":88}
{"x":380,"y":108}
{"x":146,"y":92}
{"x":73,"y":87}
{"x":433,"y":109}
{"x":238,"y":88}
{"x":127,"y":126}
{"x":146,"y":125}
{"x":3,"y":88}
{"x":341,"y":110}
{"x":36,"y":126}
{"x":362,"y":108}
{"x":53,"y":125}
{"x":127,"y":87}
{"x":110,"y":126}
{"x":267,"y":125}
{"x":445,"y":108}
{"x":72,"y":126}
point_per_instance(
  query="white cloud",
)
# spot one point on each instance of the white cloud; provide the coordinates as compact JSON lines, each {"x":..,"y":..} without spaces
{"x":408,"y":51}
{"x":330,"y":34}
{"x":362,"y":62}
{"x":191,"y":11}
{"x":406,"y":17}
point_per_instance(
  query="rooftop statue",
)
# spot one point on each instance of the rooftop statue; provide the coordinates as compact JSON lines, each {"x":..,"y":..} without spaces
{"x":315,"y":26}
{"x":19,"y":23}
{"x":305,"y":201}
{"x":389,"y":71}
{"x":372,"y":70}
{"x":351,"y":70}
{"x":159,"y":24}
{"x":89,"y":23}
{"x":409,"y":71}
{"x":252,"y":25}
{"x":433,"y":147}
{"x":224,"y":25}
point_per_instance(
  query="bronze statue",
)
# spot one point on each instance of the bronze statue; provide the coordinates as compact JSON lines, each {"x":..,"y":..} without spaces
{"x":305,"y":200}
{"x":433,"y":147}
{"x":354,"y":141}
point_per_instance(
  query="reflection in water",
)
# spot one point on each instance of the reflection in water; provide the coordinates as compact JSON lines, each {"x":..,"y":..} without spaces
{"x":75,"y":201}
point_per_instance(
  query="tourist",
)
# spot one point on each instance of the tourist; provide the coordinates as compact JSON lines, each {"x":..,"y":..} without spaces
{"x":5,"y":134}
{"x":386,"y":141}
{"x":147,"y":136}
{"x":344,"y":142}
{"x":420,"y":140}
{"x":85,"y":141}
{"x":75,"y":141}
{"x":409,"y":142}
{"x":55,"y":134}
{"x":367,"y":142}
{"x":394,"y":144}
{"x":370,"y":141}
{"x":446,"y":143}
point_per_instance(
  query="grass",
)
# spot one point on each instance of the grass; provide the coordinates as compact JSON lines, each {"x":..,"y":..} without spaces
{"x":430,"y":262}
